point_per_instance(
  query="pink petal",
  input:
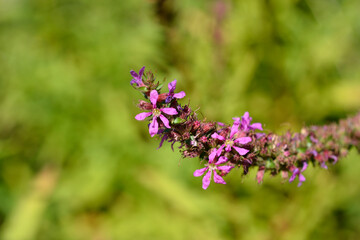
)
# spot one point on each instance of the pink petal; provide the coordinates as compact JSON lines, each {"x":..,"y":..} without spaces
{"x":206,"y":180}
{"x":218,"y":179}
{"x":241,"y":151}
{"x":179,"y":95}
{"x":304,"y":167}
{"x":228,"y":148}
{"x":323,"y":165}
{"x":142,"y":116}
{"x":256,"y":126}
{"x":212,"y":155}
{"x":225,"y":168}
{"x":219,"y":151}
{"x":169,"y":111}
{"x":154,"y":97}
{"x":172,"y":86}
{"x":221,"y":124}
{"x":153,"y":127}
{"x":246,"y":115}
{"x":200,"y":172}
{"x":221,"y":160}
{"x":302,"y":178}
{"x":334,"y":158}
{"x":217,"y":136}
{"x":243,"y":140}
{"x":292,"y":178}
{"x":165,"y":121}
{"x":234,"y":129}
{"x":236,"y":120}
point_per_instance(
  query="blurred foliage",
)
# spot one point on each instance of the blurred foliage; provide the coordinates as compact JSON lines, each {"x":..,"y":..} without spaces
{"x":74,"y":163}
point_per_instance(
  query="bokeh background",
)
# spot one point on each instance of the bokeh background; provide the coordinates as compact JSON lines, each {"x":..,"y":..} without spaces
{"x":74,"y":163}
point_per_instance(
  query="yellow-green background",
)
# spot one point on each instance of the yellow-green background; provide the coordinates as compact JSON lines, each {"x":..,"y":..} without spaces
{"x":75,"y":164}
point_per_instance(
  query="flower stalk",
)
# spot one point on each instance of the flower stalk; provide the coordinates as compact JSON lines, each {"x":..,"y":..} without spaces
{"x":243,"y":144}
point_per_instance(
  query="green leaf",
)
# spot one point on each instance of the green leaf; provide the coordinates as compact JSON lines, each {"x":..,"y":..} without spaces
{"x":159,"y":87}
{"x":301,"y":149}
{"x":178,"y":120}
{"x":270,"y":163}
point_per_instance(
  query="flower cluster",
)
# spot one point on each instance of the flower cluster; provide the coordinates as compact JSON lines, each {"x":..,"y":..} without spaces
{"x":223,"y":147}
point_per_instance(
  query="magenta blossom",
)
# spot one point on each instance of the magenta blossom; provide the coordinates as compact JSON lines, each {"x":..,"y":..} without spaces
{"x":230,"y":142}
{"x":245,"y":123}
{"x":211,"y":167}
{"x":137,"y":78}
{"x":156,"y":113}
{"x":171,"y":93}
{"x":297,"y":172}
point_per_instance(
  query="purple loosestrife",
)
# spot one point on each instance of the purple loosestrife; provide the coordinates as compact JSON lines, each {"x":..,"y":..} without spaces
{"x":211,"y":168}
{"x":297,"y":173}
{"x":137,"y":78}
{"x":156,"y":113}
{"x":230,"y":141}
{"x":171,"y":93}
{"x":245,"y":123}
{"x":223,"y":147}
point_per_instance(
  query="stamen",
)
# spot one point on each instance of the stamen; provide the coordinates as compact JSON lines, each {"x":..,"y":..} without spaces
{"x":156,"y":112}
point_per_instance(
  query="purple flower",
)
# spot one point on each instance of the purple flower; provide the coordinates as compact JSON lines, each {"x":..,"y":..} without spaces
{"x":137,"y":78}
{"x":171,"y":93}
{"x":211,"y":167}
{"x":156,"y":113}
{"x":231,"y":140}
{"x":297,"y":172}
{"x":245,"y":123}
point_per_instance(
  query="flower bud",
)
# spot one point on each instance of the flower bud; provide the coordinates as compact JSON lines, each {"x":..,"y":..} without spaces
{"x":196,"y":125}
{"x":186,"y":136}
{"x":203,"y":139}
{"x":190,"y":154}
{"x":144,"y":105}
{"x":260,"y":174}
{"x":207,"y":126}
{"x":162,"y":97}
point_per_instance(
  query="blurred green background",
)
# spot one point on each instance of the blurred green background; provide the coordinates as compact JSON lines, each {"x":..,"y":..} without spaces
{"x":75,"y":164}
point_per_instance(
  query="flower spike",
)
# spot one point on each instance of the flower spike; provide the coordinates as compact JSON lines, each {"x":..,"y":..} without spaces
{"x":222,"y":147}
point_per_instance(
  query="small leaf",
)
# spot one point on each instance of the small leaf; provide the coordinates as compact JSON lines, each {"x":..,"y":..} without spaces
{"x":309,"y":143}
{"x":301,"y":149}
{"x":178,"y":120}
{"x":270,"y":163}
{"x":159,"y":87}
